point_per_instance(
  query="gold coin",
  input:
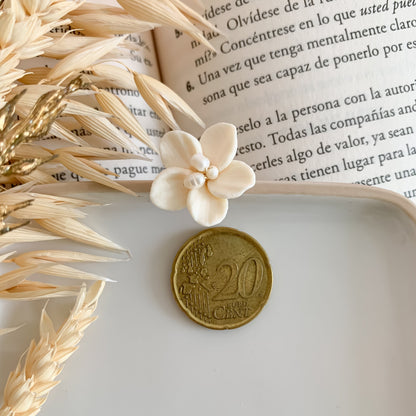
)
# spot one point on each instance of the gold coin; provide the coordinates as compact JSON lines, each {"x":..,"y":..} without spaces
{"x":221,"y":278}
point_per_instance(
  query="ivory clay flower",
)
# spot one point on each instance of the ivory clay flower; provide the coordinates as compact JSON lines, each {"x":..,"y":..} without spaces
{"x":201,"y":175}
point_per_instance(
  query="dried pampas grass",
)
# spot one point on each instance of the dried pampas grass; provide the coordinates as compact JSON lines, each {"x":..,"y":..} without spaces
{"x":29,"y":384}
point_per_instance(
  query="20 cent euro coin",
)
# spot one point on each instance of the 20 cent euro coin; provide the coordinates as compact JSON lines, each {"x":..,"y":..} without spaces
{"x":221,"y":278}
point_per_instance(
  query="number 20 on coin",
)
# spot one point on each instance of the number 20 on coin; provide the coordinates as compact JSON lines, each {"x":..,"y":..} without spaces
{"x":221,"y":278}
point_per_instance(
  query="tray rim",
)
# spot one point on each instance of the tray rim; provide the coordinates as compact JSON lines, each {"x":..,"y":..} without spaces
{"x":319,"y":189}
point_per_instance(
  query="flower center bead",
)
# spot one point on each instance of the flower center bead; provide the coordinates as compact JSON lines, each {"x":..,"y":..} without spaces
{"x":200,"y":162}
{"x":212,"y":172}
{"x":194,"y":181}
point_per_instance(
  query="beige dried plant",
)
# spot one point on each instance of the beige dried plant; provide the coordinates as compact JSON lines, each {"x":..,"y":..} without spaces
{"x":24,"y":28}
{"x":6,"y":210}
{"x":78,"y":55}
{"x":15,"y":284}
{"x":53,"y":101}
{"x":57,"y":217}
{"x":26,"y":31}
{"x":36,"y":124}
{"x":35,"y":376}
{"x":18,"y":160}
{"x":159,"y":97}
{"x":53,"y":258}
{"x":6,"y":331}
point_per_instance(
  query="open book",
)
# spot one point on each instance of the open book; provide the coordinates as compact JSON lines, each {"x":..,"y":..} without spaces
{"x":320,"y":90}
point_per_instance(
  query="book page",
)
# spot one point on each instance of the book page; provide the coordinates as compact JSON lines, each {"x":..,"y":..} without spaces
{"x":320,"y":90}
{"x":140,"y":58}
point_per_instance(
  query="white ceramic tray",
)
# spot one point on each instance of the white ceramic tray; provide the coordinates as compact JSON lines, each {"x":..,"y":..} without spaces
{"x":337,"y":337}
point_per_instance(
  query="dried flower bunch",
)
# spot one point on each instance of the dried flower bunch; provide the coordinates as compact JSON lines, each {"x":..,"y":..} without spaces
{"x":40,"y":99}
{"x":25,"y":32}
{"x":28,"y":111}
{"x":25,"y":28}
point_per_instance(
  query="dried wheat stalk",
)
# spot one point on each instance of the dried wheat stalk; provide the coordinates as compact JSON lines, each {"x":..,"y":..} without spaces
{"x":55,"y":214}
{"x":53,"y":258}
{"x":14,"y":284}
{"x":6,"y":331}
{"x":18,"y":160}
{"x":28,"y":290}
{"x":158,"y":96}
{"x":82,"y":54}
{"x":26,"y":235}
{"x":10,"y":209}
{"x":28,"y":386}
{"x":60,"y":217}
{"x":25,"y":27}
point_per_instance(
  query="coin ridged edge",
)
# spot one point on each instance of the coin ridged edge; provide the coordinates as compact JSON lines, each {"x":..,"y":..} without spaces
{"x":267,"y":264}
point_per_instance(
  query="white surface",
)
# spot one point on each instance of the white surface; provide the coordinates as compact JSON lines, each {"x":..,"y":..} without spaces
{"x":337,"y":337}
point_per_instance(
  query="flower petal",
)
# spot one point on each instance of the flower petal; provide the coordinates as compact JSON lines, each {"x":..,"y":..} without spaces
{"x":177,"y":149}
{"x":168,"y":191}
{"x":219,"y":144}
{"x":205,"y":208}
{"x":233,"y":181}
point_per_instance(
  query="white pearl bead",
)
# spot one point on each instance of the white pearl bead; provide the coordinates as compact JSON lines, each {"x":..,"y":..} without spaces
{"x":212,"y":172}
{"x":199,"y":162}
{"x":194,"y":181}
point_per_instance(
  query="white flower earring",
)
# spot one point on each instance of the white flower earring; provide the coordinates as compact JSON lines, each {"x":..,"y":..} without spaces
{"x":201,"y":175}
